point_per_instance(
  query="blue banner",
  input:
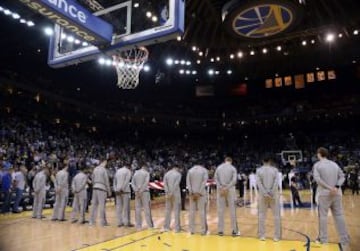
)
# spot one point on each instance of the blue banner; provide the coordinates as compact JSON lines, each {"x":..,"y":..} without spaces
{"x":74,"y":18}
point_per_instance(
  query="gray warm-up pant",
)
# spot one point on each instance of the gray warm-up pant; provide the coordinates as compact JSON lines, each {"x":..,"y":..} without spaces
{"x":143,"y":202}
{"x":98,"y":200}
{"x":79,"y":205}
{"x":173,"y":204}
{"x":122,"y":208}
{"x":229,"y":199}
{"x":39,"y":201}
{"x":61,"y":199}
{"x":200,"y":204}
{"x":263,"y":204}
{"x":326,"y":202}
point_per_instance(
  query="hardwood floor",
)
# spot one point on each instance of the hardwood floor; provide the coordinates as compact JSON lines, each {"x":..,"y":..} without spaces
{"x":19,"y":232}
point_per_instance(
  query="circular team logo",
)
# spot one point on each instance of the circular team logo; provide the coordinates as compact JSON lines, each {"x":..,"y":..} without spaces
{"x":262,"y":21}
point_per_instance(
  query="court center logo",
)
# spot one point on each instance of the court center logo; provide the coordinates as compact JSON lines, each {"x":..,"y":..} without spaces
{"x":260,"y":19}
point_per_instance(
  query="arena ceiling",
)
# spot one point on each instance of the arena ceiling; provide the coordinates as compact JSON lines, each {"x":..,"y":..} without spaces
{"x":209,"y":43}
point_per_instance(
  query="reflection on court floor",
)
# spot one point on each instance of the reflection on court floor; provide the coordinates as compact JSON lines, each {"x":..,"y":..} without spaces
{"x":154,"y":240}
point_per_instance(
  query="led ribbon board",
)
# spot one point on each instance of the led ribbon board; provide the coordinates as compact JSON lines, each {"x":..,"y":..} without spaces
{"x":74,"y":18}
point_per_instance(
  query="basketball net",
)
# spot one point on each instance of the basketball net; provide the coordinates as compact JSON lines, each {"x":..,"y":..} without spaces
{"x":128,"y":65}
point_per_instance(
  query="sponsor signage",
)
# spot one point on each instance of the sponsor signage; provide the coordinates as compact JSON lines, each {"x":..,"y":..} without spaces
{"x":74,"y":18}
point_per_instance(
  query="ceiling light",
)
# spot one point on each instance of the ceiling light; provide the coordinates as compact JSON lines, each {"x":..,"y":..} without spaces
{"x":178,"y":38}
{"x":217,"y":72}
{"x":1,"y":8}
{"x":154,"y":19}
{"x":108,"y":62}
{"x":201,"y":53}
{"x":354,"y":61}
{"x":194,"y":72}
{"x":85,"y":44}
{"x":148,"y":14}
{"x":304,"y":43}
{"x":136,"y":5}
{"x":212,"y":60}
{"x":340,"y":35}
{"x":232,"y":56}
{"x":48,"y":31}
{"x":182,"y":62}
{"x":211,"y":72}
{"x":240,"y":54}
{"x":169,"y":61}
{"x":312,"y":41}
{"x":356,"y":32}
{"x":194,"y":48}
{"x":188,"y":72}
{"x":181,"y":71}
{"x":30,"y":23}
{"x":7,"y":12}
{"x":77,"y":41}
{"x":22,"y":21}
{"x":229,"y":72}
{"x":330,"y":37}
{"x":278,"y":48}
{"x":15,"y":16}
{"x":70,"y":39}
{"x":198,"y":61}
{"x":188,"y":63}
{"x":252,"y":53}
{"x":176,"y":62}
{"x":217,"y":58}
{"x":146,"y":68}
{"x":265,"y":51}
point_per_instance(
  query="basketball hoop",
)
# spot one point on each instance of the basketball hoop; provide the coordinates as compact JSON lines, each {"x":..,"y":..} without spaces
{"x":128,"y":65}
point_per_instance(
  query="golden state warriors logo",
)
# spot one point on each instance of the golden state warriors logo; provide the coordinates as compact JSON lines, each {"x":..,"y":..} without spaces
{"x":262,"y":21}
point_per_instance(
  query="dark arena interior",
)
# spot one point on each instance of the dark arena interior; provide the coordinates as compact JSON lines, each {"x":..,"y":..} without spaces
{"x":211,"y":111}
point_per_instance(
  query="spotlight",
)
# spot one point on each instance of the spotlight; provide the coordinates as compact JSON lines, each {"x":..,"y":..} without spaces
{"x":194,"y":48}
{"x":232,"y":56}
{"x":15,"y":16}
{"x":108,"y":62}
{"x":169,"y":61}
{"x":154,"y":19}
{"x":201,"y":53}
{"x":212,"y":60}
{"x":146,"y":68}
{"x":136,"y":5}
{"x":229,"y":72}
{"x":304,"y":43}
{"x":188,"y":63}
{"x":240,"y":54}
{"x":77,"y":41}
{"x":30,"y":23}
{"x":101,"y":61}
{"x":194,"y":72}
{"x":22,"y":21}
{"x":85,"y":44}
{"x":178,"y":38}
{"x":188,"y":72}
{"x":48,"y":31}
{"x":252,"y":53}
{"x":278,"y":48}
{"x":7,"y":12}
{"x":356,"y":32}
{"x":312,"y":41}
{"x":1,"y":8}
{"x":176,"y":62}
{"x":182,"y":62}
{"x":70,"y":39}
{"x":354,"y":61}
{"x":265,"y":51}
{"x":217,"y":72}
{"x":198,"y":61}
{"x":330,"y":37}
{"x":63,"y":36}
{"x":211,"y":72}
{"x":181,"y":71}
{"x":340,"y":35}
{"x":217,"y":58}
{"x":148,"y":14}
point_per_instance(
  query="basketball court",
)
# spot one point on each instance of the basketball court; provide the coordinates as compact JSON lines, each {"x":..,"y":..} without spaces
{"x":299,"y":228}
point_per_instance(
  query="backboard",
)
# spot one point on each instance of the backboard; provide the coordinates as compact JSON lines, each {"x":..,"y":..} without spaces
{"x":135,"y":23}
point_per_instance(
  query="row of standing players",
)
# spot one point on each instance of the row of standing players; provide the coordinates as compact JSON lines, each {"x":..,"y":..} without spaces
{"x":327,"y":174}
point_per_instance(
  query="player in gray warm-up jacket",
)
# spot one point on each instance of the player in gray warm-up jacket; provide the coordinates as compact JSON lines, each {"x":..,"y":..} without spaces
{"x":267,"y":181}
{"x":173,"y":198}
{"x":330,"y":178}
{"x":196,"y":180}
{"x":78,"y":187}
{"x":101,"y":188}
{"x":39,"y":186}
{"x":61,"y":194}
{"x":122,"y":191}
{"x":140,"y":185}
{"x":225,"y":177}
